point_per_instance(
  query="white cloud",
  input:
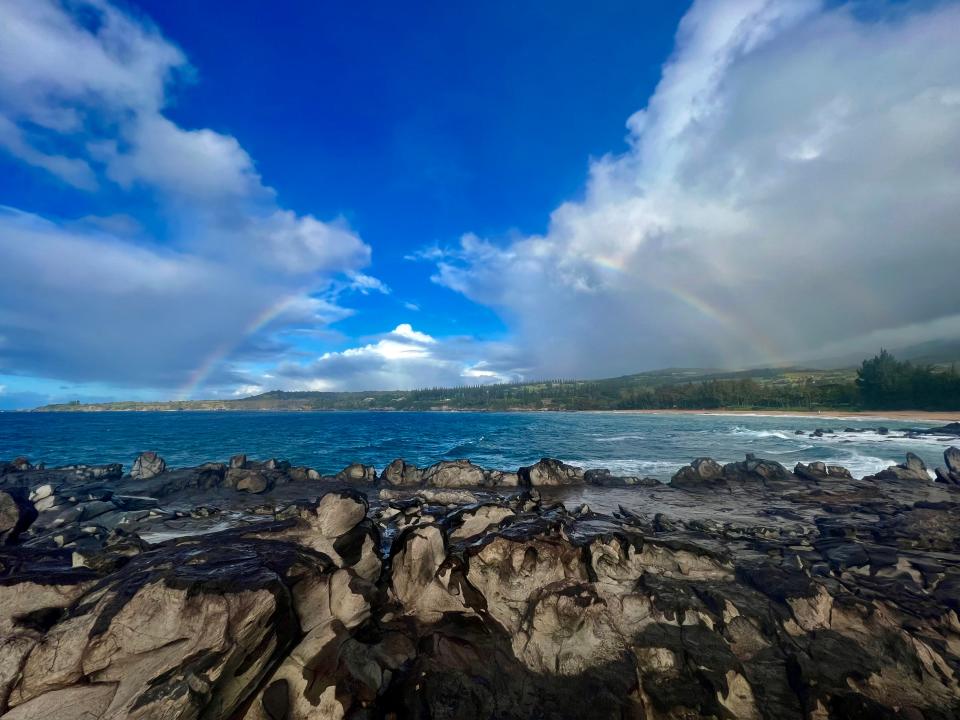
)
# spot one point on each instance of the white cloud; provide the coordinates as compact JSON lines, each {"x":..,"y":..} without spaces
{"x":404,"y":358}
{"x":83,"y":87}
{"x":406,"y":331}
{"x":74,"y":171}
{"x":365,"y":284}
{"x":198,"y":165}
{"x":791,"y":183}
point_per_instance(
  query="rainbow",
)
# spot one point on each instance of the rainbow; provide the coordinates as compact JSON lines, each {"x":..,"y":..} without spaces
{"x":222,"y":351}
{"x":736,"y":326}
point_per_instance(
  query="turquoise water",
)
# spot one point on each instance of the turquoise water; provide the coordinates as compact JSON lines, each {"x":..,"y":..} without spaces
{"x":653,"y":445}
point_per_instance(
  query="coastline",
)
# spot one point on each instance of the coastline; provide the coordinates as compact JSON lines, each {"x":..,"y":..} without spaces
{"x":920,"y":416}
{"x":931,"y":416}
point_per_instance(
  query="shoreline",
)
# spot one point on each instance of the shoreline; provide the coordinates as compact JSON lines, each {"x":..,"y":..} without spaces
{"x":931,"y":416}
{"x":922,"y":416}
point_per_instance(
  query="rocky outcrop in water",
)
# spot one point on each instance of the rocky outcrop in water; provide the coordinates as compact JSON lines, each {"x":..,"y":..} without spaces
{"x":743,"y":590}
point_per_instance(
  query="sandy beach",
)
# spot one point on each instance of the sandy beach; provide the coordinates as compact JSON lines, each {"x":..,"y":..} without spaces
{"x":920,"y":416}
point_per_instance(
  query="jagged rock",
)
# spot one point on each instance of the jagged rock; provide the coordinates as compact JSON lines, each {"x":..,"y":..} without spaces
{"x":94,"y":508}
{"x":550,"y":473}
{"x":604,"y":478}
{"x":502,"y":479}
{"x":41,"y":492}
{"x":113,"y":471}
{"x":464,"y":474}
{"x":238,"y":462}
{"x":147,"y":465}
{"x":400,"y":473}
{"x":303,"y":474}
{"x":473,"y":521}
{"x":173,"y":633}
{"x":454,"y":474}
{"x":948,"y":429}
{"x":114,"y":552}
{"x":274,"y":464}
{"x":913,"y":469}
{"x":357,"y":472}
{"x":838,"y":471}
{"x":432,"y":495}
{"x":250,"y":481}
{"x":16,"y":514}
{"x":780,"y":597}
{"x":134,"y":502}
{"x":941,"y":475}
{"x":755,"y":469}
{"x":702,"y":471}
{"x":817,"y":471}
{"x":337,"y":526}
{"x":951,"y":456}
{"x":21,"y":464}
{"x":814,"y":471}
{"x":208,"y":475}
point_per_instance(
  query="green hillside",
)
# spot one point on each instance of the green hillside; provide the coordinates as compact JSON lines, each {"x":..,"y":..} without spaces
{"x":879,"y":383}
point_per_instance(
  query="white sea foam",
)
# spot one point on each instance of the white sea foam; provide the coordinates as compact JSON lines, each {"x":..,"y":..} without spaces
{"x":893,"y":437}
{"x":631,"y":466}
{"x":750,"y":432}
{"x":617,"y":438}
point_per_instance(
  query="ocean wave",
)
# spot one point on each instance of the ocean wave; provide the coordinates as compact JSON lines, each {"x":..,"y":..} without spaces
{"x":464,"y":447}
{"x":861,"y":465}
{"x":617,"y":438}
{"x":631,"y":466}
{"x":874,"y":438}
{"x":750,"y":432}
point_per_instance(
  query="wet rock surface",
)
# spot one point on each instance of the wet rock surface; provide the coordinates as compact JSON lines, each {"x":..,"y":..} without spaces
{"x":261,"y":591}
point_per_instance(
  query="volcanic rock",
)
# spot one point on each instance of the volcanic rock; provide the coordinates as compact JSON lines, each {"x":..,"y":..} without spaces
{"x":702,"y":471}
{"x":16,"y":514}
{"x":147,"y":465}
{"x":357,"y":472}
{"x":605,"y":478}
{"x":400,"y":473}
{"x":912,"y":469}
{"x":550,"y":473}
{"x":951,"y":456}
{"x":795,"y":596}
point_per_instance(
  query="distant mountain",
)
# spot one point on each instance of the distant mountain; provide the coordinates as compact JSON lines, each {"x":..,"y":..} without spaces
{"x":943,"y":352}
{"x":669,"y":388}
{"x":781,"y":388}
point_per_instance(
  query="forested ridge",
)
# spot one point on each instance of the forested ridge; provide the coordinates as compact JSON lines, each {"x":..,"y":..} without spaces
{"x":881,"y":382}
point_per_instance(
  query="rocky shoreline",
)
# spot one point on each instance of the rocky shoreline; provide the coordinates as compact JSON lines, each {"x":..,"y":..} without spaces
{"x":265,"y":591}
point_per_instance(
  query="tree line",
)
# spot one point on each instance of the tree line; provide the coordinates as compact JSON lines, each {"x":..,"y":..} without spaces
{"x":883,"y":382}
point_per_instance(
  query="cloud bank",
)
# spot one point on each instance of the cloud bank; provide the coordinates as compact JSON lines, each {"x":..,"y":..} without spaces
{"x":403,"y":358}
{"x":83,"y":92}
{"x":790,"y":189}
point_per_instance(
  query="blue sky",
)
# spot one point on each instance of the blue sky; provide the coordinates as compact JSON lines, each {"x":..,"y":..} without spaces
{"x":209,"y":200}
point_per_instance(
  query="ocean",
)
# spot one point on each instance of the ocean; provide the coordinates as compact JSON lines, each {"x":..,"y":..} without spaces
{"x":636,"y":444}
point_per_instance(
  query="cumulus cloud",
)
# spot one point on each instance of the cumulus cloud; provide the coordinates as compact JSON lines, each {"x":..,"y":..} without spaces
{"x":404,"y":358}
{"x":790,"y":185}
{"x":83,"y":88}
